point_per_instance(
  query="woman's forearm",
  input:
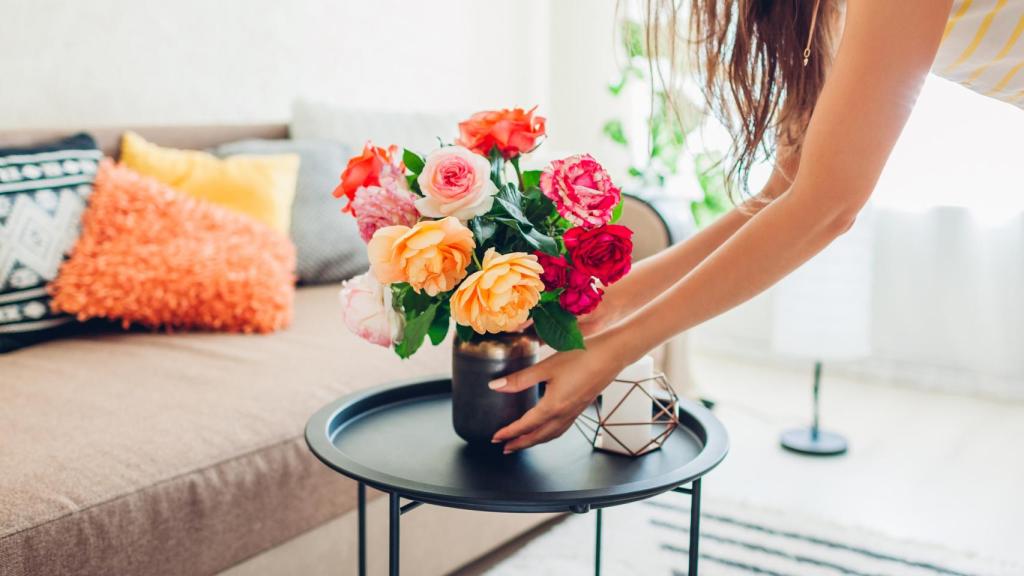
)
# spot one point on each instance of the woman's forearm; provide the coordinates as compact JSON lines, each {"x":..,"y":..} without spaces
{"x":777,"y":240}
{"x":655,"y":274}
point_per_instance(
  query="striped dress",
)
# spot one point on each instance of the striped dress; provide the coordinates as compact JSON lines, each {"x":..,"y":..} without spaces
{"x":982,"y":48}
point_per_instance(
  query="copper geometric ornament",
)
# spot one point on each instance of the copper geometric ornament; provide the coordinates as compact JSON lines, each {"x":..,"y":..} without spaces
{"x":593,"y":423}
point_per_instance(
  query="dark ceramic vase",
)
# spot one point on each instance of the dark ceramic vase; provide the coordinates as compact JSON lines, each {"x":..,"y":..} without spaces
{"x":477,"y":411}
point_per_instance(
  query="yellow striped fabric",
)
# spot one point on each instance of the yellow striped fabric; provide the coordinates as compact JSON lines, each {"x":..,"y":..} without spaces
{"x":983,"y":48}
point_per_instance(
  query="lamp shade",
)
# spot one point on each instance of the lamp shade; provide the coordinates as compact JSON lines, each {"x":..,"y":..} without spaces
{"x":822,"y":311}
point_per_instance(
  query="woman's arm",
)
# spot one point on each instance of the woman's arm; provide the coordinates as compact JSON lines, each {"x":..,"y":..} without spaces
{"x":886,"y":51}
{"x":652,"y":276}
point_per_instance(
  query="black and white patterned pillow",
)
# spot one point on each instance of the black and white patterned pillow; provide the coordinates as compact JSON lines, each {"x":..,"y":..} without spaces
{"x":43,"y":191}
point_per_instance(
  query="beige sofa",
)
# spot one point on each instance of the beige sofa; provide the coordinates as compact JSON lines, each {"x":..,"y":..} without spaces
{"x":151,"y":453}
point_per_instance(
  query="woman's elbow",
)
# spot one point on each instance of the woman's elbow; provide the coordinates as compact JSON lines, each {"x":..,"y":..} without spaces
{"x":841,"y":220}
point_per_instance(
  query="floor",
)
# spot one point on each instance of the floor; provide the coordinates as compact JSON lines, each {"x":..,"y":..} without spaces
{"x":925,"y":467}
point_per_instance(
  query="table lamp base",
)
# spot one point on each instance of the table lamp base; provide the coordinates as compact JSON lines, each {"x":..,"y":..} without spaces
{"x":804,"y":441}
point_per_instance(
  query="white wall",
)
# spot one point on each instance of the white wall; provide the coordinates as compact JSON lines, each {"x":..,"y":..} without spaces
{"x":71,"y":63}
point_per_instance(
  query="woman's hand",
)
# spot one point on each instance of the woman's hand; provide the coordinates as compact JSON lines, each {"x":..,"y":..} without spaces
{"x":573,"y":379}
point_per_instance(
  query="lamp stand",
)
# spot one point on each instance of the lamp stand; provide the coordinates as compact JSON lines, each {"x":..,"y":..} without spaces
{"x":814,"y":441}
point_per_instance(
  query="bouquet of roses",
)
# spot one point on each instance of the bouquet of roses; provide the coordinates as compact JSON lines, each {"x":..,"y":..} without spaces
{"x":465,"y":234}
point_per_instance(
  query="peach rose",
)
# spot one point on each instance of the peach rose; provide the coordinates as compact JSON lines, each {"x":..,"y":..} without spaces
{"x":455,"y":182}
{"x":499,"y":296}
{"x":432,"y":256}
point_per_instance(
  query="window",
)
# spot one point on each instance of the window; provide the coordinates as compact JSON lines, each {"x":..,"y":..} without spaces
{"x":958,"y":149}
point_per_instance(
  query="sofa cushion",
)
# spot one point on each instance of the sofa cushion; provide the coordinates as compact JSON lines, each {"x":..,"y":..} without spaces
{"x":328,"y":244}
{"x":152,"y":256}
{"x":418,"y":131}
{"x":261,"y":186}
{"x":43,"y":190}
{"x":176,"y":454}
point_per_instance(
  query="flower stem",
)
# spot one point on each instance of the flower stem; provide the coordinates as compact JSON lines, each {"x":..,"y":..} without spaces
{"x":519,"y":173}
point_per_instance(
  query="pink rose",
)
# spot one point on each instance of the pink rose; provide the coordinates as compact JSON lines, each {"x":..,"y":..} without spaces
{"x":455,"y":182}
{"x":581,"y":189}
{"x":367,"y":310}
{"x":378,"y":206}
{"x":581,"y":296}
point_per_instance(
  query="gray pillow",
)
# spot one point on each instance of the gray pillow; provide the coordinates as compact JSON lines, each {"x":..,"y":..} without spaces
{"x":327,"y":241}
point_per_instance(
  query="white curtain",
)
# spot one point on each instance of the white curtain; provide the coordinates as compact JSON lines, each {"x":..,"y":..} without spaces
{"x":946,"y":305}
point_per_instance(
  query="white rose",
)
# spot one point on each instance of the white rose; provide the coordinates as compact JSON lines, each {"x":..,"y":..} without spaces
{"x":367,"y":310}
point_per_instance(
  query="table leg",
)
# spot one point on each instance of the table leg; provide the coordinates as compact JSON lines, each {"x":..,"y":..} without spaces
{"x":694,"y":527}
{"x":361,"y":495}
{"x":597,"y":546}
{"x":393,"y":547}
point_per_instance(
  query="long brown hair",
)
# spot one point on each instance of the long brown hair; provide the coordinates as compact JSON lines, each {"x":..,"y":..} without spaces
{"x":749,"y":58}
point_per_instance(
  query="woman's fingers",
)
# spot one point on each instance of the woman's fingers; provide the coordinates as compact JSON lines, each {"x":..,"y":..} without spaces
{"x":533,"y":418}
{"x":519,"y":381}
{"x":548,"y":431}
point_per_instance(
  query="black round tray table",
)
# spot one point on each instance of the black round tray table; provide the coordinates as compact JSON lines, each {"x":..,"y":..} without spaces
{"x":398,"y":439}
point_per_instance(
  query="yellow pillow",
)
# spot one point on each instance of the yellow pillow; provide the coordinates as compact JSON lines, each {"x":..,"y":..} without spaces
{"x":260,"y":186}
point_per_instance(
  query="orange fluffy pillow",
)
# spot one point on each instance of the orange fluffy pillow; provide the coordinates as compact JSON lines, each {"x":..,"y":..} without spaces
{"x":152,"y":256}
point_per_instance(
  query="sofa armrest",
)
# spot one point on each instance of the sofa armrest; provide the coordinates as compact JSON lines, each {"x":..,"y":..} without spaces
{"x":657,"y":223}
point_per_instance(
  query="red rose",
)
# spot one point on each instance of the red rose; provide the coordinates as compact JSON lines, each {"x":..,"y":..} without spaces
{"x":514,"y":132}
{"x":604,"y":252}
{"x":556,"y":270}
{"x":364,"y":170}
{"x":580,"y":296}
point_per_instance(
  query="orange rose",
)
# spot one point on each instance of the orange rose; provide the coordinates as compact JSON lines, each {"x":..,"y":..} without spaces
{"x":514,"y":132}
{"x":364,"y":170}
{"x":499,"y":296}
{"x":432,"y":256}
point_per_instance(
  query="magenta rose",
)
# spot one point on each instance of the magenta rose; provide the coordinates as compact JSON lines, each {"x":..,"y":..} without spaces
{"x":581,"y":189}
{"x":605,"y":252}
{"x":581,"y":296}
{"x":556,"y":270}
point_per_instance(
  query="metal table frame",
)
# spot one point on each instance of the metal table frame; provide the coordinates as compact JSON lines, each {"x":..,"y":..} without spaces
{"x":397,"y":509}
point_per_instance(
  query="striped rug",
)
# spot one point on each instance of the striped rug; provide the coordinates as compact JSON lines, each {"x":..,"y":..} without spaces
{"x":651,"y":539}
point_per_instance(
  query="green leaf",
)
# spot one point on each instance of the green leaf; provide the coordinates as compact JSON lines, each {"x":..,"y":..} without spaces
{"x":439,"y":326}
{"x":557,"y":327}
{"x":542,"y":242}
{"x":412,"y":161}
{"x":537,"y":207}
{"x":414,"y":184}
{"x":617,"y":212}
{"x":415,"y":302}
{"x":531,"y":179}
{"x":416,"y":328}
{"x":549,"y":296}
{"x":513,"y":211}
{"x":464,"y":333}
{"x":616,"y":88}
{"x":633,"y":39}
{"x":508,"y":201}
{"x":614,"y":130}
{"x":483,"y":229}
{"x":497,"y":166}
